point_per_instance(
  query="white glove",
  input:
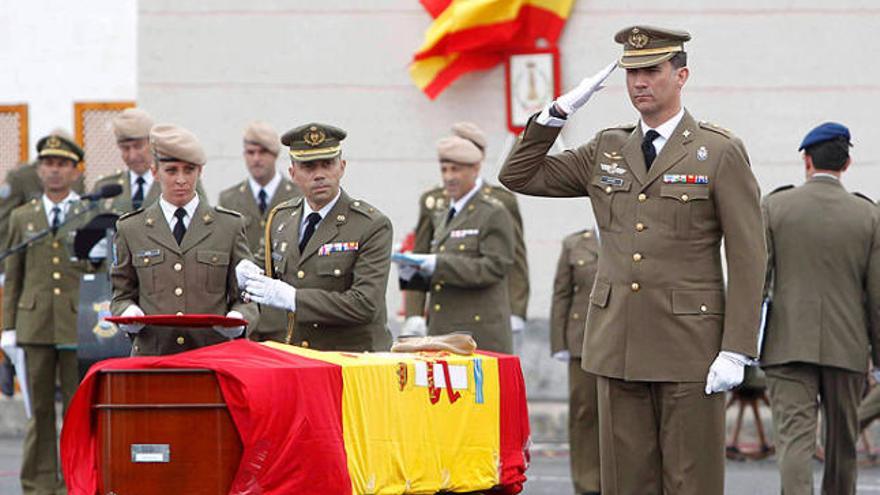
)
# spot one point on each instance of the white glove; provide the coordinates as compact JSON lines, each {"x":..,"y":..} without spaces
{"x":517,"y":324}
{"x":231,"y":332}
{"x":271,"y":292}
{"x":570,"y":102}
{"x":414,"y":325}
{"x":406,"y":272}
{"x":8,"y":343}
{"x":726,"y":372}
{"x":244,"y":270}
{"x":876,"y":374}
{"x":562,"y":356}
{"x":427,"y":262}
{"x":133,"y":328}
{"x":99,"y":250}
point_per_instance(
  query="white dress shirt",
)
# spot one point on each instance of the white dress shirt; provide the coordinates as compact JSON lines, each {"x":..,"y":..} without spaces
{"x":307,"y":210}
{"x":148,"y":182}
{"x":270,"y":188}
{"x":665,"y":130}
{"x":168,"y":210}
{"x":64,"y":205}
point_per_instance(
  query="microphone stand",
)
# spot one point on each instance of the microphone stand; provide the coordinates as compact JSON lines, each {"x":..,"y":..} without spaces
{"x":93,"y":204}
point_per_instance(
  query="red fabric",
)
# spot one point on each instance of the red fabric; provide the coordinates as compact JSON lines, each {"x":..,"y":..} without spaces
{"x":520,"y":33}
{"x":296,"y":447}
{"x":467,"y":62}
{"x":190,"y":320}
{"x":435,"y":7}
{"x":515,"y":433}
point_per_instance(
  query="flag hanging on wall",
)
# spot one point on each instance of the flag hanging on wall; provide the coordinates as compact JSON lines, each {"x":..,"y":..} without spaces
{"x":469,"y":35}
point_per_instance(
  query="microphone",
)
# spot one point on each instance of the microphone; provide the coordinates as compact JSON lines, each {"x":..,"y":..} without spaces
{"x":107,"y":191}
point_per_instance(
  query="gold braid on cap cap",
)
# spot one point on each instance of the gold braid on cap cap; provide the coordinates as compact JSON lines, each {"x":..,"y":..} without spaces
{"x":60,"y":152}
{"x":318,"y":151}
{"x":652,"y":51}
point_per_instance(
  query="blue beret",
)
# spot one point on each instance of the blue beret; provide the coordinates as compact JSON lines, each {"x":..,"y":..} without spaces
{"x":824,"y":132}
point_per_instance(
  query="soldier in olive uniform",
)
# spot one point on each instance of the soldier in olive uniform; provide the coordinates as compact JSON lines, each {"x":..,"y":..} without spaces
{"x":178,"y":255}
{"x":824,"y":277}
{"x":139,"y":186}
{"x":40,"y":305}
{"x":437,"y":200}
{"x":662,"y":330}
{"x":472,"y":253}
{"x":329,"y":252}
{"x":575,"y":273}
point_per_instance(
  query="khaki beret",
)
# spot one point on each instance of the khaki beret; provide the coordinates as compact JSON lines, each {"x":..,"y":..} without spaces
{"x":472,"y":133}
{"x":62,"y":146}
{"x":647,"y":46}
{"x":132,"y":123}
{"x":458,"y":150}
{"x":262,"y":134}
{"x":314,"y":141}
{"x":172,"y":143}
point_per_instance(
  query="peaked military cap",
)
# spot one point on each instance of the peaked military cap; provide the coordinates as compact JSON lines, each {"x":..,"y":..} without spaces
{"x":825,"y":132}
{"x":647,"y":46}
{"x":314,"y":141}
{"x":55,"y":145}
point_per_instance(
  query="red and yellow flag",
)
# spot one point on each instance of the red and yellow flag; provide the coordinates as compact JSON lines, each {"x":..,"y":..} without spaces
{"x":469,"y":35}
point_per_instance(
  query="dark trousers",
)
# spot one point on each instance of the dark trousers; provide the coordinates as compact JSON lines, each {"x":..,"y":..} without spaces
{"x":583,"y":428}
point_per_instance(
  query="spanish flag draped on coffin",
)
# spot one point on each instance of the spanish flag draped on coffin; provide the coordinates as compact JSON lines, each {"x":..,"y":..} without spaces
{"x":469,"y":35}
{"x":330,"y":423}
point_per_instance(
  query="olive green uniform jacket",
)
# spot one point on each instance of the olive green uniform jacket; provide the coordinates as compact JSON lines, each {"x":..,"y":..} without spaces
{"x":196,"y":277}
{"x":823,"y":247}
{"x":659,"y":310}
{"x":434,"y":201}
{"x":340,"y":277}
{"x":122,"y":203}
{"x":575,"y":273}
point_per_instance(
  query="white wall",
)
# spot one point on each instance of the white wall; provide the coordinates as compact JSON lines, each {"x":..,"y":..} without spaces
{"x":56,"y":52}
{"x":768,"y":71}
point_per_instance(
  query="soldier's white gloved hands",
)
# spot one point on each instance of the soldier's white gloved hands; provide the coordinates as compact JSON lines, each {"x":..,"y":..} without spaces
{"x":231,"y":332}
{"x":406,"y":272}
{"x":726,"y":372}
{"x":570,"y":102}
{"x":427,"y":262}
{"x":517,"y":324}
{"x":8,"y":343}
{"x":99,"y":250}
{"x":133,"y":328}
{"x":563,"y":356}
{"x":414,"y":325}
{"x":244,"y":270}
{"x":271,"y":292}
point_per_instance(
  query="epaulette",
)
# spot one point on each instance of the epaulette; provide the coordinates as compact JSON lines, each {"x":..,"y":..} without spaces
{"x":492,"y":200}
{"x":497,"y":190}
{"x":866,"y":198}
{"x":227,"y":211}
{"x":627,"y":127}
{"x":290,"y":203}
{"x":434,"y":198}
{"x":35,"y":201}
{"x":781,"y":188}
{"x":715,"y":128}
{"x":130,"y":214}
{"x":363,"y":208}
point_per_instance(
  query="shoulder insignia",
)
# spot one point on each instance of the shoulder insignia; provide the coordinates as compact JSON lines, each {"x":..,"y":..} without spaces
{"x":34,"y":201}
{"x":130,"y":214}
{"x":227,"y":211}
{"x":363,"y":207}
{"x":865,"y":197}
{"x":290,"y":203}
{"x":715,"y":128}
{"x":781,"y":188}
{"x":628,"y":127}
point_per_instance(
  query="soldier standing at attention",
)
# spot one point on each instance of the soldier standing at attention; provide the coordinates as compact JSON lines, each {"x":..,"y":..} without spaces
{"x":254,"y":198}
{"x":575,"y":273}
{"x":178,"y":254}
{"x":824,"y":278}
{"x":471,"y":255}
{"x":39,"y":304}
{"x":329,"y":252}
{"x":663,"y":334}
{"x":433,"y":205}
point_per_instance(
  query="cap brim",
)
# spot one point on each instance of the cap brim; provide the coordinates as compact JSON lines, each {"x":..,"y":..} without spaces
{"x":61,"y":153}
{"x":312,"y":155}
{"x":644,"y":61}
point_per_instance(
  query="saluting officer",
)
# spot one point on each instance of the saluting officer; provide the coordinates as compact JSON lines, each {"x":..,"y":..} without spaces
{"x":662,"y":332}
{"x":824,"y":277}
{"x":437,"y":200}
{"x":40,"y":304}
{"x":178,"y":255}
{"x":139,"y":186}
{"x":471,"y":254}
{"x":329,"y":252}
{"x":575,"y":273}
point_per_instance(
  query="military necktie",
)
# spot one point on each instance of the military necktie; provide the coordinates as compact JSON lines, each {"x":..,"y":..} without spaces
{"x":263,"y":205}
{"x":138,"y":198}
{"x":648,"y":148}
{"x":179,"y":227}
{"x":450,"y":216}
{"x":56,"y":218}
{"x":311,"y":221}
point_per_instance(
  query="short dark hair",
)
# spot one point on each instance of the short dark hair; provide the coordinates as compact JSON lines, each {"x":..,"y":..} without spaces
{"x":829,"y":155}
{"x":679,"y":60}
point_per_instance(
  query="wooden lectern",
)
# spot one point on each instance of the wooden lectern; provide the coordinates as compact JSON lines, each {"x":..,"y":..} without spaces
{"x":164,"y":431}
